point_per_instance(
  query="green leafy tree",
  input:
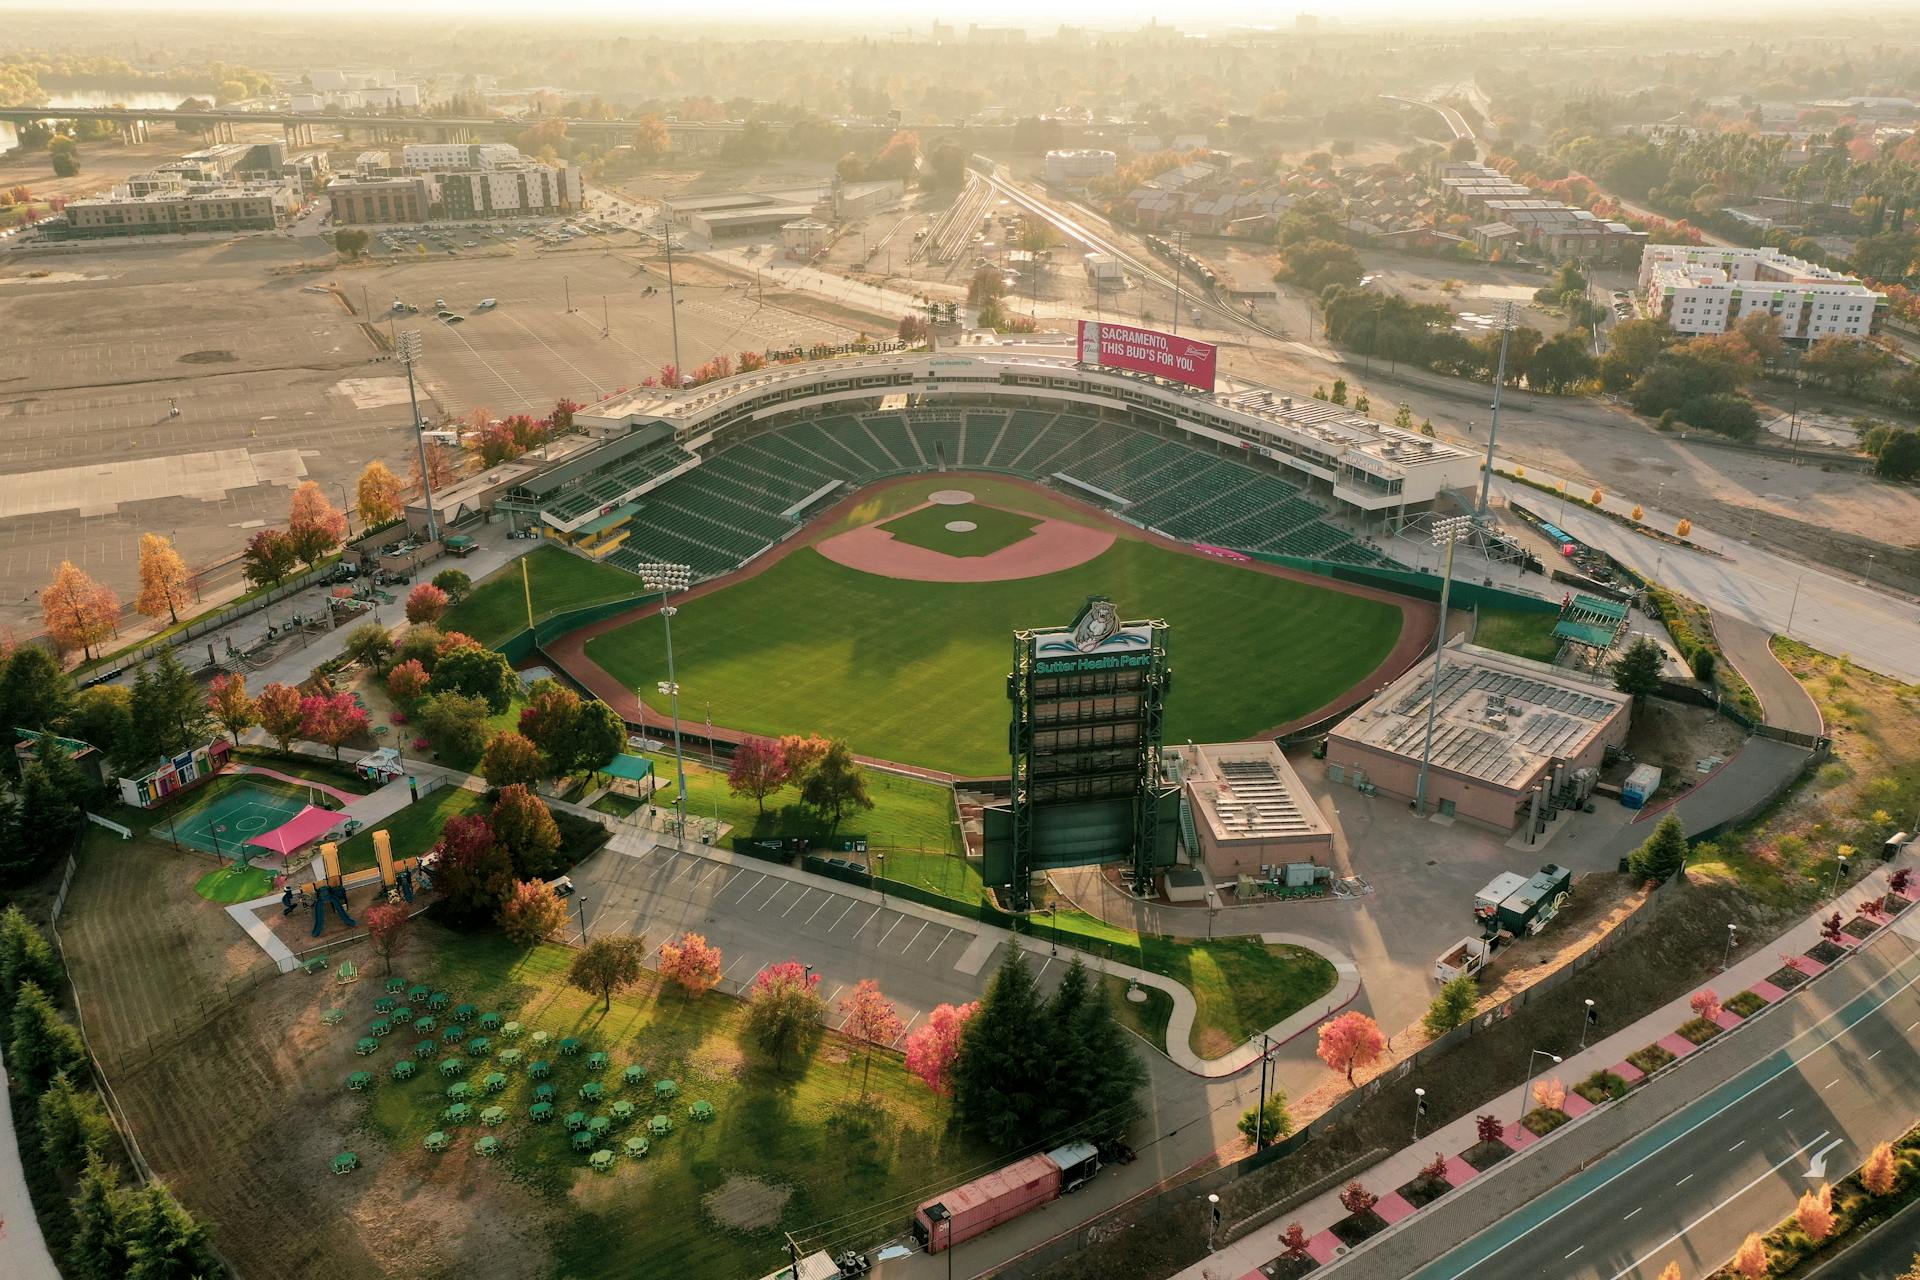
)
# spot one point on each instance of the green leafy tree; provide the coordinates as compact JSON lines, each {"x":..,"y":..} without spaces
{"x":456,"y":724}
{"x":369,"y":645}
{"x":477,"y":673}
{"x":1101,"y":1099}
{"x":100,"y":716}
{"x":1452,"y":1005}
{"x":351,"y":242}
{"x":525,"y":828}
{"x":25,"y":956}
{"x":35,"y":693}
{"x":39,"y":825}
{"x":65,"y":156}
{"x":168,"y":710}
{"x":74,"y":1127}
{"x":98,"y":1247}
{"x":1004,"y":1058}
{"x":1631,"y":349}
{"x":1899,"y":458}
{"x":1637,"y":670}
{"x":454,"y":582}
{"x":509,"y":758}
{"x":783,"y":1008}
{"x":44,"y":1044}
{"x":421,"y":645}
{"x":1663,"y":854}
{"x":1561,"y":362}
{"x":1279,"y":1123}
{"x":837,"y":784}
{"x":608,"y":965}
{"x":164,"y":1242}
{"x":1314,"y":264}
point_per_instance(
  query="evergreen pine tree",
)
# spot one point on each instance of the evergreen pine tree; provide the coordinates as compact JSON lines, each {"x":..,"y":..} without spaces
{"x":1637,"y":670}
{"x":73,"y":1124}
{"x":98,"y":1248}
{"x":1663,"y":854}
{"x":44,"y":1044}
{"x":1070,"y":1060}
{"x":164,"y":1242}
{"x":1003,"y":1068}
{"x":25,"y":956}
{"x":1110,"y":1102}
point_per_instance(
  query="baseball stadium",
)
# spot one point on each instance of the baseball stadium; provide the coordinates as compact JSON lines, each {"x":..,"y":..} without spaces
{"x":862,"y":537}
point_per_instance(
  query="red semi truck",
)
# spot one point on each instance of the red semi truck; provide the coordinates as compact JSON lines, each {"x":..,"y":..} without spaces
{"x":985,"y":1203}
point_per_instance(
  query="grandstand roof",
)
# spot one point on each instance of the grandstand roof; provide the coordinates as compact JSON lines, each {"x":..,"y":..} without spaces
{"x":1591,"y":621}
{"x":1500,"y":719}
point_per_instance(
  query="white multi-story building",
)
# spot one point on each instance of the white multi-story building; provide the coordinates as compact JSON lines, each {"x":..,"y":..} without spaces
{"x":1077,"y":168}
{"x":1709,"y":289}
{"x":440,"y":157}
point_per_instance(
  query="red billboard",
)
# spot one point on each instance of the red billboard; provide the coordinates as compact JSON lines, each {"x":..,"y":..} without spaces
{"x":1137,"y":350}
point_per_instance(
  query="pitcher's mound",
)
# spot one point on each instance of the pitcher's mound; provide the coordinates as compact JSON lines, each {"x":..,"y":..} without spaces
{"x":745,"y":1203}
{"x":950,"y":497}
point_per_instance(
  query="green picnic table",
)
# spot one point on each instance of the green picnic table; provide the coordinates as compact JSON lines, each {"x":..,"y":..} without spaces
{"x":360,"y":1081}
{"x":458,"y":1113}
{"x":417,"y":993}
{"x":493,"y":1116}
{"x":622,"y":1111}
{"x":598,"y":1126}
{"x":426,"y":1024}
{"x":490,"y":1022}
{"x":569,"y":1047}
{"x":480,"y":1046}
{"x":512,"y":1030}
{"x":665,"y":1090}
{"x":400,"y":1013}
{"x":438,"y":1001}
{"x":542,"y":1038}
{"x":379,"y":1027}
{"x":508,"y":1057}
{"x":345,"y":1162}
{"x":635,"y":1074}
{"x":465,"y":1012}
{"x":494,"y":1082}
{"x":660,"y":1126}
{"x":596,"y":1061}
{"x":366,"y":1045}
{"x":591,"y":1091}
{"x":601,"y":1161}
{"x":383,"y":1003}
{"x":438,"y":1141}
{"x":636,"y":1146}
{"x":396,"y":985}
{"x":540,"y":1112}
{"x":576,"y":1120}
{"x":333,"y":1017}
{"x":459,"y":1091}
{"x":403,"y":1069}
{"x":453,"y":1033}
{"x":701,"y":1110}
{"x":543,"y":1093}
{"x":540,"y":1069}
{"x":451,"y":1067}
{"x":488,"y":1146}
{"x":425,"y":1049}
{"x":583,"y":1141}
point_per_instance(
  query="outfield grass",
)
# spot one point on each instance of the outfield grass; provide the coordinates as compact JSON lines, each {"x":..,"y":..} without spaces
{"x":915,"y":671}
{"x":1526,"y":635}
{"x":415,"y":828}
{"x":803,"y":1128}
{"x":497,"y":606}
{"x":994,"y":529}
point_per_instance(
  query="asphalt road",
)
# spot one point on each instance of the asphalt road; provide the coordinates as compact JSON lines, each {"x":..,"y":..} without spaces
{"x":1885,"y":1253}
{"x":1692,"y":1187}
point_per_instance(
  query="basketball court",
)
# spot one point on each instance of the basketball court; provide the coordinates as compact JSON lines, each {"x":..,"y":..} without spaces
{"x":224,"y":824}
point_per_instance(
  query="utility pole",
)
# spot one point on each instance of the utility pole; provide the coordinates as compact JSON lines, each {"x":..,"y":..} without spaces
{"x":606,"y":319}
{"x":1178,"y":248}
{"x":1493,"y":427}
{"x":408,"y":349}
{"x":673,"y":300}
{"x":566,"y":283}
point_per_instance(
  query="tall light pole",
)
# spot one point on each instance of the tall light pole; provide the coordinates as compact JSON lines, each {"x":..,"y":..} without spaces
{"x":664,"y":578}
{"x":1587,"y":1018}
{"x":407,"y":347}
{"x":1528,"y":1087}
{"x":1260,"y":1116}
{"x":1419,"y":1110}
{"x":673,"y":300}
{"x":1733,"y":935}
{"x":1493,"y":426}
{"x":1446,"y":532}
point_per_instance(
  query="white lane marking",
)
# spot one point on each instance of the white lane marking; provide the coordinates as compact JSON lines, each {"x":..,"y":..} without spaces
{"x":1736,"y":1146}
{"x":924,"y":926}
{"x":749,"y":889}
{"x":1876,"y":1053}
{"x":1683,"y":1182}
{"x":1636,"y":1263}
{"x":842,"y":916}
{"x":1784,"y":1114}
{"x":1637,"y":1209}
{"x":730,"y":879}
{"x":824,"y":904}
{"x":779,"y":887}
{"x":890,"y":928}
{"x":1577,"y":1248}
{"x":1829,"y":1084}
{"x":869,"y":920}
{"x":796,"y":902}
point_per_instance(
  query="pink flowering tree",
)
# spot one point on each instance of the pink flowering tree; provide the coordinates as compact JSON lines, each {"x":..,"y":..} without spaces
{"x":935,"y":1044}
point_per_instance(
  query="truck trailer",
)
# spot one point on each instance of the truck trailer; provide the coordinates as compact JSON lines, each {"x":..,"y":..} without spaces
{"x":1518,"y":906}
{"x":985,"y":1203}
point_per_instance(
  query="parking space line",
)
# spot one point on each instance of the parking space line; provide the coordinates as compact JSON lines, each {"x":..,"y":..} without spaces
{"x":796,"y":902}
{"x":924,"y":926}
{"x":779,"y":887}
{"x":749,"y":889}
{"x":730,"y":879}
{"x":842,"y":916}
{"x":889,"y":933}
{"x":836,"y":991}
{"x":824,"y":904}
{"x":869,"y":920}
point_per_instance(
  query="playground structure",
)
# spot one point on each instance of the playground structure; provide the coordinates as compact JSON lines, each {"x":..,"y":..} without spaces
{"x":330,"y":890}
{"x":396,"y":879}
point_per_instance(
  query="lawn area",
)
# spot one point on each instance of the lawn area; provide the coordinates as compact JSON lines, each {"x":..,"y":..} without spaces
{"x":1526,"y":635}
{"x":915,"y":671}
{"x":339,"y":775}
{"x":804,"y":1132}
{"x":1241,"y":986}
{"x":497,"y":606}
{"x":1145,"y":1018}
{"x":415,"y":828}
{"x":235,"y":884}
{"x":993,"y":529}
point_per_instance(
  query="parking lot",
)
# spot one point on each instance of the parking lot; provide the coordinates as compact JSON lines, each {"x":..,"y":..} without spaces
{"x":760,"y":914}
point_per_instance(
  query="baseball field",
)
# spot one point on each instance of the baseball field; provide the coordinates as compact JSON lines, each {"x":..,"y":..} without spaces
{"x":913,"y":671}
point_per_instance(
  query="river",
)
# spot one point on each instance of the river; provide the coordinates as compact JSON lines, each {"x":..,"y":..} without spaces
{"x":166,"y":99}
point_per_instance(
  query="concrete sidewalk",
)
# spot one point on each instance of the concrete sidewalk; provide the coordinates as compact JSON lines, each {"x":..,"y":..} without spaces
{"x":23,"y":1249}
{"x":1317,"y":1216}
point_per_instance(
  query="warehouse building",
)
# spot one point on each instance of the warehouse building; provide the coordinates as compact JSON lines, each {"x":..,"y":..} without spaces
{"x":1250,"y":809}
{"x":1507,"y":731}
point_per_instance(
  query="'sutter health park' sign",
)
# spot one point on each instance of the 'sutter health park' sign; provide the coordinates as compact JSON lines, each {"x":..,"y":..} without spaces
{"x":1164,"y":355}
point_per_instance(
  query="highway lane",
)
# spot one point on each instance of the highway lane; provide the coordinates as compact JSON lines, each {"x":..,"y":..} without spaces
{"x":1885,"y":1253}
{"x":1690,"y":1189}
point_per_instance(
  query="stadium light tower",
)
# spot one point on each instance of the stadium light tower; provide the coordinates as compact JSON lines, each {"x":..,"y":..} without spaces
{"x":407,"y":348}
{"x":666,"y":579}
{"x":1493,"y":426}
{"x":1446,"y":533}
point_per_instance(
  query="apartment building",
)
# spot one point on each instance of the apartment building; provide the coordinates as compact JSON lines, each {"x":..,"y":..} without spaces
{"x":444,"y":157}
{"x":362,"y":201}
{"x":1710,"y":288}
{"x":1078,"y":168}
{"x":528,"y":188}
{"x":182,"y":207}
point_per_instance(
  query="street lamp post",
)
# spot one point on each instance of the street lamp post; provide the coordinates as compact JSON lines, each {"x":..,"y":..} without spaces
{"x":580,"y":903}
{"x":1527,"y":1089}
{"x":1733,"y":933}
{"x":1587,"y":1019}
{"x":1419,"y":1110}
{"x":1795,"y":606}
{"x":407,"y":348}
{"x":346,"y":508}
{"x":1213,"y":1217}
{"x":1839,"y":874}
{"x":664,"y":578}
{"x":1446,"y":532}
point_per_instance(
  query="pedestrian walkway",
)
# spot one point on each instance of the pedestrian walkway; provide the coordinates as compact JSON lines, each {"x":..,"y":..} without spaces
{"x":1318,"y":1216}
{"x":1784,"y":700}
{"x":21,"y":1244}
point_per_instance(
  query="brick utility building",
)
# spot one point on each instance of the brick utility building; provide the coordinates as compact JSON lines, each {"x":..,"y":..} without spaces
{"x":1507,"y":731}
{"x":1250,"y":810}
{"x":1710,"y":288}
{"x":357,"y":201}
